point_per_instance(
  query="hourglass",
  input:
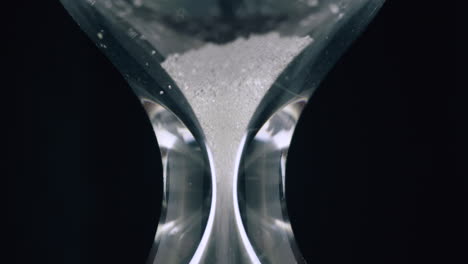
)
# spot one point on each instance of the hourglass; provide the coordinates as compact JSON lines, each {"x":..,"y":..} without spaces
{"x":223,"y":83}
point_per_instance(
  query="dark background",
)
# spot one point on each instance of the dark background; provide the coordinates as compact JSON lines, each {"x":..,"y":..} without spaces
{"x":365,"y":179}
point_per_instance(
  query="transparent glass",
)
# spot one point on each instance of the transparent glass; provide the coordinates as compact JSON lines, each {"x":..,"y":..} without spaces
{"x":223,"y":83}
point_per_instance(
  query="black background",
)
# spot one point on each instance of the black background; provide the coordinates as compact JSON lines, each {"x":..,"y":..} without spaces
{"x":364,"y":182}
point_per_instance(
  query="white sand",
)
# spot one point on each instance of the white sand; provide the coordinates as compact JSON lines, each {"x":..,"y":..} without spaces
{"x":225,"y":83}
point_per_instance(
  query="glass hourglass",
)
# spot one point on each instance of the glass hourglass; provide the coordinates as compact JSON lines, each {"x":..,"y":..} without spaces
{"x":223,"y":83}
